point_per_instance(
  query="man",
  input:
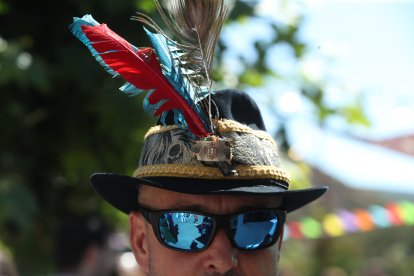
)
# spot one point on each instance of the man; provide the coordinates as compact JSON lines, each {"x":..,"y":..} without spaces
{"x":209,"y":196}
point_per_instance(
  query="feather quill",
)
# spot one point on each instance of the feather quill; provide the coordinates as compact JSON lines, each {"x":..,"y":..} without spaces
{"x":76,"y":29}
{"x":139,"y":67}
{"x":197,"y":25}
{"x":166,"y":50}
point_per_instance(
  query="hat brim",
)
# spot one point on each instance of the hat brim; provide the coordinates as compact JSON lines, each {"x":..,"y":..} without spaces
{"x":121,"y":191}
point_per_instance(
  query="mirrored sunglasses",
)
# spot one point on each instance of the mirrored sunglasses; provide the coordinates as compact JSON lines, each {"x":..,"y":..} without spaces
{"x":193,"y":231}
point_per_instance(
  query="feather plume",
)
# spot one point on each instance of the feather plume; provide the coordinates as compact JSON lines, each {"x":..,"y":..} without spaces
{"x":197,"y":25}
{"x":166,"y":50}
{"x":140,"y":68}
{"x":76,"y":29}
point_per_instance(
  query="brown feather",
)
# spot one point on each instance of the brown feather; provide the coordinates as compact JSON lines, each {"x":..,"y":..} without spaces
{"x":197,"y":25}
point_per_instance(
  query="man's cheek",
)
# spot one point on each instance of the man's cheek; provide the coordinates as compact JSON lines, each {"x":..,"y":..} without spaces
{"x":260,"y":263}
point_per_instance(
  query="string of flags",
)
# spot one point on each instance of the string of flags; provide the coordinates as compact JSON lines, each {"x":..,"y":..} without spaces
{"x":345,"y":222}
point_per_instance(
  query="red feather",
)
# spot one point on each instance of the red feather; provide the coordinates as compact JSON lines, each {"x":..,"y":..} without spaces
{"x":141,"y":69}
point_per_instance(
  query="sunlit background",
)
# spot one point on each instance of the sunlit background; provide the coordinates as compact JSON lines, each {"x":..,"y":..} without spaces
{"x":359,"y":50}
{"x":334,"y":80}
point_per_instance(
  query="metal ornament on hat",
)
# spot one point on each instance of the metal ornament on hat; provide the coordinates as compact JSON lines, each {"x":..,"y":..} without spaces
{"x":175,"y":76}
{"x":216,"y":150}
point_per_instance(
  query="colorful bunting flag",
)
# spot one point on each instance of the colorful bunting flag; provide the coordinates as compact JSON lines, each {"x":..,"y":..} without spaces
{"x":359,"y":220}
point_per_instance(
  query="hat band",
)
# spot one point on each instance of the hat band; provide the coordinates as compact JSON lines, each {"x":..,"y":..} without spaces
{"x":244,"y":172}
{"x":223,"y":126}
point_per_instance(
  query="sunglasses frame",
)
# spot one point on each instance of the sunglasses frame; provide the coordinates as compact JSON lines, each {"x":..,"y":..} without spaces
{"x":219,"y":222}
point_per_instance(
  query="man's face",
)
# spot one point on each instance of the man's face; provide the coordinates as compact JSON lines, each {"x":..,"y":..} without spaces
{"x":219,"y":258}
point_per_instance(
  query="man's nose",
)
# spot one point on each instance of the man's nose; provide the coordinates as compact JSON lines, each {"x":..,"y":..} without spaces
{"x":220,"y":255}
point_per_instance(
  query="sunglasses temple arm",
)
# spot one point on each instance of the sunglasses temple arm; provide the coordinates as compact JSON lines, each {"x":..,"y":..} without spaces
{"x":144,"y":213}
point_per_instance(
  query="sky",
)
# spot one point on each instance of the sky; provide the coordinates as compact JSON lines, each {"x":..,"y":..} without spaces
{"x":374,"y":45}
{"x":373,"y":42}
{"x":365,"y":48}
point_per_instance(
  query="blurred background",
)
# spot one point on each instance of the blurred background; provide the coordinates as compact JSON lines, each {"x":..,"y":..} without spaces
{"x":334,"y":80}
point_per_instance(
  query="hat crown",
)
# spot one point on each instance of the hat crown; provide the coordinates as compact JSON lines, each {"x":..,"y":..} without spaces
{"x":168,"y":151}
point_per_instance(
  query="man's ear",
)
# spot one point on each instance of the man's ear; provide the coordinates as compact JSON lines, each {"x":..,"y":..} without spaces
{"x":138,"y":240}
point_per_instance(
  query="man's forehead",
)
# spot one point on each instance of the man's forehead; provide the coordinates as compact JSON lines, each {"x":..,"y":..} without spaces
{"x":165,"y":199}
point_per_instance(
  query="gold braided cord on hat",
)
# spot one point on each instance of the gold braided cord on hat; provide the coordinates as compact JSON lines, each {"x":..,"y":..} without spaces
{"x":222,"y":125}
{"x":159,"y":129}
{"x":204,"y":172}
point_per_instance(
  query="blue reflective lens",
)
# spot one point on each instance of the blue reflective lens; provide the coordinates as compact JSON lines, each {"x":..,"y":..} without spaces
{"x":255,"y":229}
{"x":184,"y":230}
{"x":193,"y":231}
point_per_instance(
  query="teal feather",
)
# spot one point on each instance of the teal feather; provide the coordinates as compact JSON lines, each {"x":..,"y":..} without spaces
{"x":132,"y":90}
{"x":167,"y":52}
{"x":76,"y":29}
{"x":168,"y":56}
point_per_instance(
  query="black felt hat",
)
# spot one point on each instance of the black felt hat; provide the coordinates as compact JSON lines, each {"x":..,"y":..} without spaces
{"x":205,"y":143}
{"x":169,"y":161}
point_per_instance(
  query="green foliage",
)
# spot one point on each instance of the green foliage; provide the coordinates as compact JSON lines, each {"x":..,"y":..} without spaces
{"x":382,"y":252}
{"x":63,"y":119}
{"x":354,"y":115}
{"x":252,"y":78}
{"x":300,"y":172}
{"x":147,"y":6}
{"x":4,"y":8}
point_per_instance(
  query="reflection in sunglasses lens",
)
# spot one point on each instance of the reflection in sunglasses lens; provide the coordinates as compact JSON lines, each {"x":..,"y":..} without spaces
{"x":192,"y":232}
{"x":185,"y":230}
{"x":254,"y":229}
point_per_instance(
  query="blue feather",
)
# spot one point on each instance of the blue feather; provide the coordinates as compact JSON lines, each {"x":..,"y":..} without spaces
{"x":166,"y":50}
{"x":76,"y":29}
{"x":168,"y":55}
{"x":132,"y":90}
